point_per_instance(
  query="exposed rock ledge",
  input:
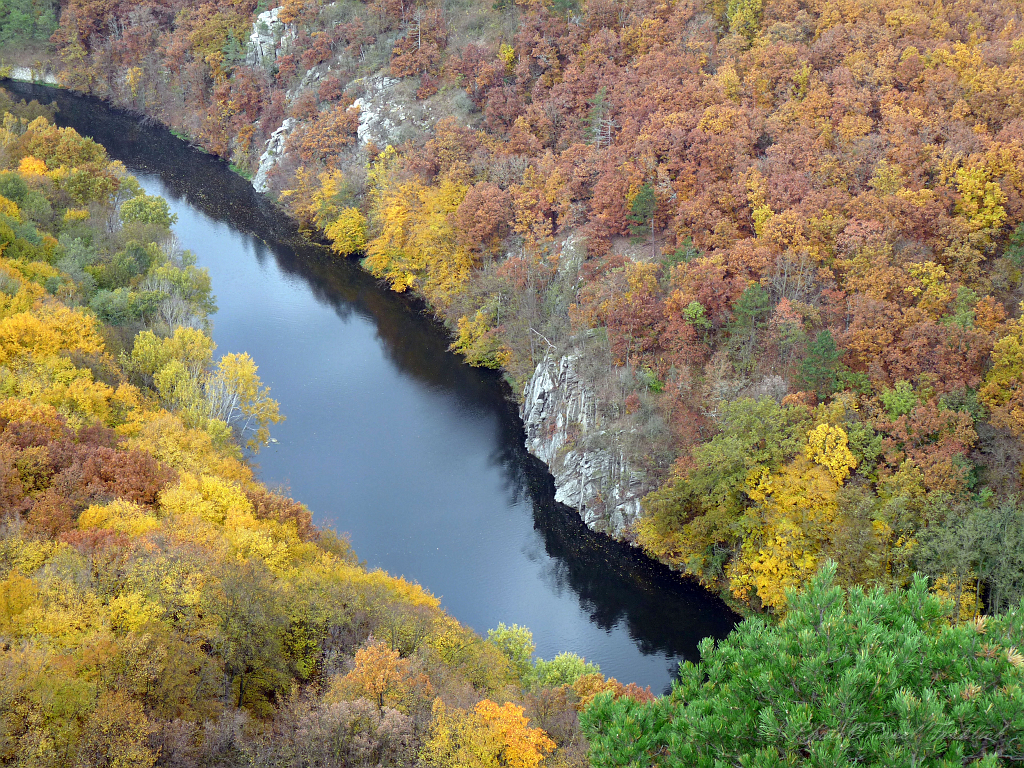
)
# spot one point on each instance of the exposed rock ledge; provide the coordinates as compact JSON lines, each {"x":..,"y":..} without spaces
{"x":272,"y":155}
{"x":30,"y":75}
{"x":269,"y":38}
{"x":563,"y":430}
{"x":382,"y":115}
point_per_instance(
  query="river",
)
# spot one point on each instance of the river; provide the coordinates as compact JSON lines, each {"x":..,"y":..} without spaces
{"x":393,"y":440}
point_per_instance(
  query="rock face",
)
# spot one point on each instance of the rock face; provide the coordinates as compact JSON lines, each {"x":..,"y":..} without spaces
{"x":380,"y":117}
{"x":29,"y":75}
{"x":563,"y":430}
{"x":272,"y":154}
{"x":269,"y":34}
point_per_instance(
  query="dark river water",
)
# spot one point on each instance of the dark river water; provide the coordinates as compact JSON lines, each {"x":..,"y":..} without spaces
{"x":390,"y":438}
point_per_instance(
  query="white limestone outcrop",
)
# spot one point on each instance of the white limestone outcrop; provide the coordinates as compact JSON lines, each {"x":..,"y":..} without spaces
{"x":272,"y":154}
{"x":381,"y":118}
{"x":29,"y":75}
{"x":563,"y":430}
{"x":269,"y":38}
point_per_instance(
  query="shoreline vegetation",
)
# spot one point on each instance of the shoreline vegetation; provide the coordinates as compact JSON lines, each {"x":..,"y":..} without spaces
{"x":783,"y":241}
{"x":158,"y":604}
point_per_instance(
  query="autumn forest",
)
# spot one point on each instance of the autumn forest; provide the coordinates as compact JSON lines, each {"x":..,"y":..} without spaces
{"x":782,"y":242}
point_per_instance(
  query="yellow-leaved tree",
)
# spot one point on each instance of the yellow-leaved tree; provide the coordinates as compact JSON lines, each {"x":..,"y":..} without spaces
{"x":48,"y":331}
{"x":786,"y":532}
{"x":488,"y":736}
{"x":1003,"y":389}
{"x":981,"y":198}
{"x":347,"y":232}
{"x":330,"y":203}
{"x":828,"y":446}
{"x":415,"y":244}
{"x":236,"y":397}
{"x":479,"y":343}
{"x":216,"y":398}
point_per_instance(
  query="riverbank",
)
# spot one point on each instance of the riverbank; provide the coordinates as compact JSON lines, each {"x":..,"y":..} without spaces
{"x":606,"y":471}
{"x":392,"y":438}
{"x":387,"y":109}
{"x":183,"y":610}
{"x":704,"y":209}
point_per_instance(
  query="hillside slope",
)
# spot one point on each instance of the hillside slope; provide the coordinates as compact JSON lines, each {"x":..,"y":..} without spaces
{"x":779,"y":238}
{"x":158,"y":604}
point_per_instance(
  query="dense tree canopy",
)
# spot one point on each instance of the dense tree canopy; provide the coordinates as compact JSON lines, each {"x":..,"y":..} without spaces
{"x":158,"y":605}
{"x":785,"y":238}
{"x":797,"y":201}
{"x":868,"y":678}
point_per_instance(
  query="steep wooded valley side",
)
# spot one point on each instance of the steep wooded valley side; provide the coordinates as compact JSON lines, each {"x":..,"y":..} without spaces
{"x":158,"y":604}
{"x":754,"y":268}
{"x":757,"y":263}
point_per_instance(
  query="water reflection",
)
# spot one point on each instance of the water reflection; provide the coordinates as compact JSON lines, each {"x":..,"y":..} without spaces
{"x":390,"y":437}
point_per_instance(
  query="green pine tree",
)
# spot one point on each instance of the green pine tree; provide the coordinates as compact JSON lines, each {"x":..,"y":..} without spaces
{"x":819,"y":367}
{"x":641,"y":216}
{"x":750,"y":315}
{"x":846,"y":678}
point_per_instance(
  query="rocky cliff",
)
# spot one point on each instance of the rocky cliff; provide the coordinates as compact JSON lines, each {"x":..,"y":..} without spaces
{"x":564,"y":430}
{"x":387,"y":115}
{"x":272,"y":155}
{"x":269,"y":38}
{"x":33,"y":75}
{"x":560,"y":410}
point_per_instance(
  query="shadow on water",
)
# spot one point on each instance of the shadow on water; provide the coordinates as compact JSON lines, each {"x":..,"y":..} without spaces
{"x":614,"y":584}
